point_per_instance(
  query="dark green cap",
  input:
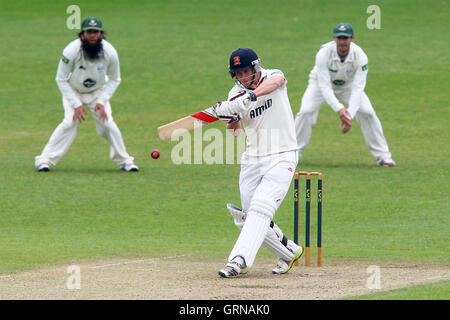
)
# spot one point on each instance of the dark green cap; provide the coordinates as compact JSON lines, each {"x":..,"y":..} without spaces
{"x":91,"y":23}
{"x":343,"y":29}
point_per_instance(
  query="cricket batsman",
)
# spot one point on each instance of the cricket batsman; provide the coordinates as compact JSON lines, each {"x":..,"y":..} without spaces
{"x":88,"y":75}
{"x":268,"y":164}
{"x":338,"y":78}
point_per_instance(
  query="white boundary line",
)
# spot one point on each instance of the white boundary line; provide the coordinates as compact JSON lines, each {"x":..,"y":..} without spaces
{"x":7,"y":276}
{"x":137,"y":261}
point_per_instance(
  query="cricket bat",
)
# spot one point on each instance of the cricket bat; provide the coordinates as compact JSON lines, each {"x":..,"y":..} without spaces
{"x":183,"y":125}
{"x":194,"y":121}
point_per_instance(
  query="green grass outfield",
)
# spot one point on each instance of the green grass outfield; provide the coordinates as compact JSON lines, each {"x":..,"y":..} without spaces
{"x":434,"y":291}
{"x":174,"y":58}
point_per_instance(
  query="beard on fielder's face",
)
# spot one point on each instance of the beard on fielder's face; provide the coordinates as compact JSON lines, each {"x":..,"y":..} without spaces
{"x":91,"y":43}
{"x":92,"y":51}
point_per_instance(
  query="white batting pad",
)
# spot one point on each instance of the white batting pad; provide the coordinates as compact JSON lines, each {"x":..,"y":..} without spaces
{"x":273,"y":239}
{"x":273,"y":242}
{"x":251,"y":237}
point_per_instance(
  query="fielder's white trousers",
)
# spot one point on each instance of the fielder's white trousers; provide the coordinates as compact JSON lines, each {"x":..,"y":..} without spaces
{"x":306,"y":118}
{"x":64,"y":134}
{"x":263,"y":182}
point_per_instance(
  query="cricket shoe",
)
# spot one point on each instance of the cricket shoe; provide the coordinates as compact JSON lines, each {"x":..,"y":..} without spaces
{"x":43,"y":167}
{"x":129,"y":167}
{"x":284,"y":266}
{"x":386,"y":162}
{"x":232,"y":270}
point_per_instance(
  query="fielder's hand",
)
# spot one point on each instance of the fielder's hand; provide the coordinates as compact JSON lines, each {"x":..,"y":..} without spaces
{"x":345,"y":127}
{"x":346,"y":120}
{"x":103,"y":115}
{"x":79,"y":114}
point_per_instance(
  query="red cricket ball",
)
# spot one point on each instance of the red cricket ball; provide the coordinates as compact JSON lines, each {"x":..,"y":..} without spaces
{"x":155,"y":154}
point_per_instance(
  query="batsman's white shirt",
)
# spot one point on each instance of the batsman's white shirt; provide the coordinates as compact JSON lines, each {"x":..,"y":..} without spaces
{"x":334,"y":76}
{"x":269,"y":122}
{"x":82,"y":80}
{"x":267,"y":167}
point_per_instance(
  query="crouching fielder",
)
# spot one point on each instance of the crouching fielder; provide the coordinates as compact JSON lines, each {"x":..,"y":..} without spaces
{"x":268,"y":163}
{"x":339,"y":75}
{"x":88,"y":75}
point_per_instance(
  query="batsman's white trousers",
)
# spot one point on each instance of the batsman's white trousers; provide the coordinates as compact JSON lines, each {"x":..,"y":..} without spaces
{"x":64,"y":134}
{"x":263,"y":182}
{"x":306,"y":118}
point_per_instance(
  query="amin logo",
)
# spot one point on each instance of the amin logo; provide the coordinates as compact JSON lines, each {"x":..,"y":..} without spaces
{"x":236,"y":61}
{"x":258,"y":111}
{"x":92,"y":22}
{"x":342,"y":28}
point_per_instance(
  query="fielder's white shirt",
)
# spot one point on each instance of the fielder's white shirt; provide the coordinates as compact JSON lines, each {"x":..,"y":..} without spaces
{"x":269,"y":122}
{"x":334,"y":76}
{"x":83,"y":80}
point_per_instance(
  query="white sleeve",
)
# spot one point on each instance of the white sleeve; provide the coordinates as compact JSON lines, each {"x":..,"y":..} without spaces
{"x":232,"y":107}
{"x":63,"y":75}
{"x":358,"y":85}
{"x":277,"y":72}
{"x":234,"y":92}
{"x":113,"y":72}
{"x":324,"y":81}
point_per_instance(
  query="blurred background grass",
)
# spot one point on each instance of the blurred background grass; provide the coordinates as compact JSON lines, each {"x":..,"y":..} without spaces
{"x":174,"y":58}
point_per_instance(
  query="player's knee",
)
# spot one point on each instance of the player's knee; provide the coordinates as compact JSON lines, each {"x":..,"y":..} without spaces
{"x":104,"y":127}
{"x":265,"y":207}
{"x":306,"y":111}
{"x":366,"y":110}
{"x":365,"y":116}
{"x":100,"y":130}
{"x":68,"y":124}
{"x":307,"y":114}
